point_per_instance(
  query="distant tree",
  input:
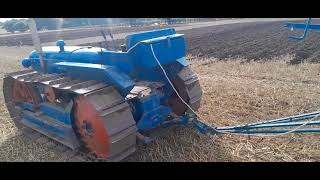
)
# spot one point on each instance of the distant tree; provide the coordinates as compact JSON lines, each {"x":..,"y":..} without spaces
{"x":74,"y":22}
{"x":15,"y":25}
{"x":9,"y":26}
{"x":130,"y":21}
{"x":47,"y":23}
{"x":97,"y":21}
{"x":21,"y":26}
{"x":169,"y":20}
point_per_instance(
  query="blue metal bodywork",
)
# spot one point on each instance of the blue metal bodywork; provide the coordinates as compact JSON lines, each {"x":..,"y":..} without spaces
{"x":133,"y":39}
{"x":52,"y":120}
{"x":137,"y":63}
{"x":150,"y":112}
{"x":121,"y":69}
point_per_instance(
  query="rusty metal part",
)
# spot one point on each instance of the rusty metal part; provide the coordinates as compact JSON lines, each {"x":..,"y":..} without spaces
{"x":23,"y":92}
{"x":188,"y":86}
{"x":50,"y":94}
{"x":32,"y":136}
{"x":12,"y":94}
{"x":8,"y":83}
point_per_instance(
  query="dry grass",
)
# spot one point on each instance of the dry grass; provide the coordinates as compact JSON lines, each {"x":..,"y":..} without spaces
{"x":234,"y":93}
{"x":237,"y":92}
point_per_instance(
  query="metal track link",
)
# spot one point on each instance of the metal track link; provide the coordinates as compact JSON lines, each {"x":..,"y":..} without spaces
{"x":103,"y":96}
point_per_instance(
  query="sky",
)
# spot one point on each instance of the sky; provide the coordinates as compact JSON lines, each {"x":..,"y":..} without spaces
{"x":6,"y":19}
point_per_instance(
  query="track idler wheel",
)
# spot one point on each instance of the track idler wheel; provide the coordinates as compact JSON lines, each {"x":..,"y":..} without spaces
{"x":188,"y":86}
{"x":105,"y":124}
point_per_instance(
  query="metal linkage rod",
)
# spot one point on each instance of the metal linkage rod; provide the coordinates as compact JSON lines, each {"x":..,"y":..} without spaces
{"x":276,"y":131}
{"x":265,"y":127}
{"x":290,"y":124}
{"x":280,"y":120}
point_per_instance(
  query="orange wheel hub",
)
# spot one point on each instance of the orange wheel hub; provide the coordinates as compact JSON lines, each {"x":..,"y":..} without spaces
{"x":91,"y":128}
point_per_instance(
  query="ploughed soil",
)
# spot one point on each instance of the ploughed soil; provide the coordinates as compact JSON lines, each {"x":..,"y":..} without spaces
{"x":252,"y":41}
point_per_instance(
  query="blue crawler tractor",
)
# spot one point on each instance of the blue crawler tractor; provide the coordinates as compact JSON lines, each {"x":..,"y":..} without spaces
{"x":99,"y":101}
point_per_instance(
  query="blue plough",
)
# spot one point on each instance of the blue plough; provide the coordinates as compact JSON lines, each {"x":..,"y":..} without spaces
{"x":272,"y":127}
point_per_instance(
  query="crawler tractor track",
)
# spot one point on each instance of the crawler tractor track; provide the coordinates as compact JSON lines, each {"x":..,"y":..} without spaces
{"x":108,"y":106}
{"x":96,"y":105}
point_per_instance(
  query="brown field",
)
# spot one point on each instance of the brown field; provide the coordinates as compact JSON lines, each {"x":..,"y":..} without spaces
{"x":236,"y":91}
{"x":91,"y":35}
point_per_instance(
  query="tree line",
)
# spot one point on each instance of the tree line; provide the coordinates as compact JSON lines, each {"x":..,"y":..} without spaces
{"x":21,"y":25}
